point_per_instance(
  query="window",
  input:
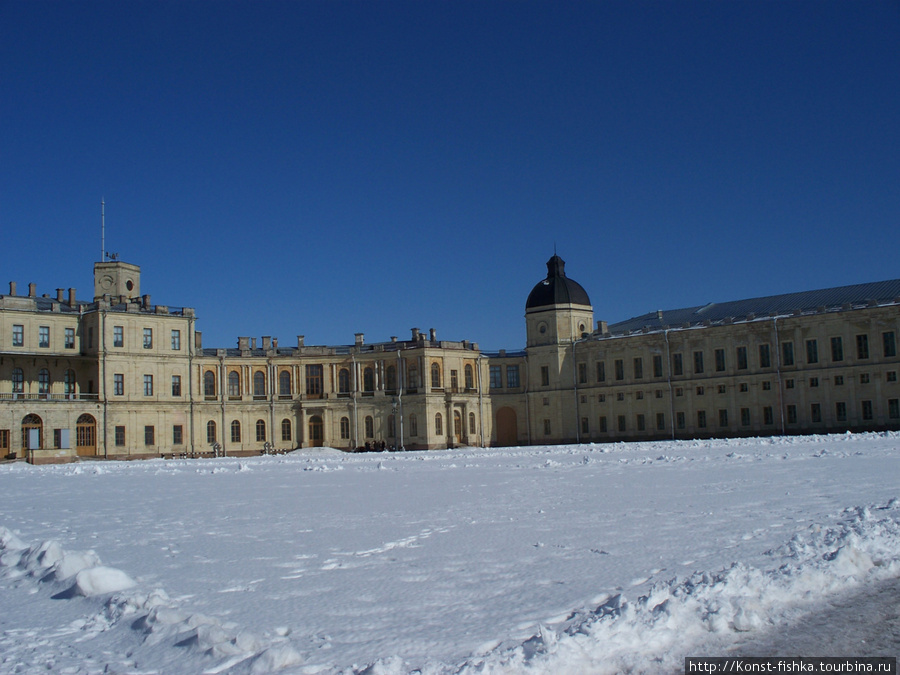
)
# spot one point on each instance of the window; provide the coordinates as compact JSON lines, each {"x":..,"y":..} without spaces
{"x":864,"y":378}
{"x":149,"y":435}
{"x":894,"y":408}
{"x":286,"y":432}
{"x":413,"y":425}
{"x":837,"y":349}
{"x":813,"y":382}
{"x":787,"y":353}
{"x":345,"y":428}
{"x":582,"y":373}
{"x":602,"y":424}
{"x":69,"y":382}
{"x":601,"y":371}
{"x":601,"y":398}
{"x":723,"y":418}
{"x":700,"y":391}
{"x":660,"y":421}
{"x":698,"y":363}
{"x":284,"y":384}
{"x":90,"y":338}
{"x":148,"y":338}
{"x":619,"y":366}
{"x":789,"y":383}
{"x":43,"y":381}
{"x":620,"y":396}
{"x":454,"y":381}
{"x":18,"y":380}
{"x":891,"y":376}
{"x":840,"y":411}
{"x":176,"y":340}
{"x":838,"y":380}
{"x":638,"y":368}
{"x":70,"y":338}
{"x":344,"y":381}
{"x":765,"y":359}
{"x":390,"y":378}
{"x":496,"y":377}
{"x":435,"y":375}
{"x":545,"y":376}
{"x":469,"y":376}
{"x":742,"y":358}
{"x":546,"y":427}
{"x":862,"y":346}
{"x":867,"y":410}
{"x":438,"y":425}
{"x":639,"y":395}
{"x":641,"y":424}
{"x":720,"y":360}
{"x":176,"y":385}
{"x":679,"y":391}
{"x":44,"y":337}
{"x":118,"y":384}
{"x":767,"y":386}
{"x":18,"y":336}
{"x":314,"y":373}
{"x":585,"y":425}
{"x":148,"y":385}
{"x":412,"y":374}
{"x":812,"y":351}
{"x":118,"y":336}
{"x":260,"y":431}
{"x":177,"y":435}
{"x":369,"y":426}
{"x":721,"y":388}
{"x":768,"y":416}
{"x":235,"y":431}
{"x":677,"y":364}
{"x":743,"y":387}
{"x":472,"y":427}
{"x":889,"y":344}
{"x":659,"y":393}
{"x":120,"y":436}
{"x":701,"y":419}
{"x":815,"y":413}
{"x":792,"y":414}
{"x":512,"y":376}
{"x":234,"y":385}
{"x":259,"y":385}
{"x":679,"y":420}
{"x":210,"y":432}
{"x":657,"y":366}
{"x":209,"y":384}
{"x":745,"y":417}
{"x":621,"y":422}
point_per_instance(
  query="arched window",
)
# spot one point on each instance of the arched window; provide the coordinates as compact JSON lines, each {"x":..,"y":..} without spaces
{"x":69,"y":381}
{"x":438,"y":424}
{"x":368,"y":380}
{"x":284,"y":384}
{"x":18,"y":380}
{"x":370,"y":427}
{"x":235,"y":431}
{"x":43,"y":381}
{"x":259,"y":385}
{"x":286,"y":432}
{"x":412,"y":376}
{"x":344,"y":381}
{"x":345,"y":428}
{"x":391,"y":378}
{"x":436,"y":375}
{"x":32,"y":432}
{"x":413,"y":425}
{"x":234,"y":384}
{"x":209,"y":384}
{"x":260,"y":431}
{"x":469,"y":375}
{"x":210,"y":432}
{"x":472,"y":428}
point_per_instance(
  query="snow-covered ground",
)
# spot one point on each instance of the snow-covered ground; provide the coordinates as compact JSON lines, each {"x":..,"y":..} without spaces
{"x":565,"y":559}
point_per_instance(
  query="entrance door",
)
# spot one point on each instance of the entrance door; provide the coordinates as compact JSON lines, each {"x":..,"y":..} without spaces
{"x":86,"y":436}
{"x":457,"y":426}
{"x":32,"y":433}
{"x":507,"y":434}
{"x":316,"y":432}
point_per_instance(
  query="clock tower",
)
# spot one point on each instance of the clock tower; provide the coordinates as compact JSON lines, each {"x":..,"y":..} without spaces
{"x":117,"y":279}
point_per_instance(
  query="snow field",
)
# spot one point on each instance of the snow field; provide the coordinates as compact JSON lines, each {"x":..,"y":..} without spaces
{"x":580,"y":559}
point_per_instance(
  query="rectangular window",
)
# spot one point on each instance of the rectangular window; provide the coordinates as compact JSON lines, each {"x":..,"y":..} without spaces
{"x":815,"y":413}
{"x":867,"y":410}
{"x":745,"y":417}
{"x":789,"y":383}
{"x":864,"y":378}
{"x":620,"y":396}
{"x":742,"y":358}
{"x":891,"y":376}
{"x":149,"y":435}
{"x":601,"y":398}
{"x":638,"y":368}
{"x":701,"y":419}
{"x":641,"y":424}
{"x":723,"y":418}
{"x":118,"y":336}
{"x":582,"y":373}
{"x":720,"y":360}
{"x":659,"y":393}
{"x":70,"y":338}
{"x":176,"y":340}
{"x":679,"y":420}
{"x":148,"y":338}
{"x":765,"y":359}
{"x":679,"y":391}
{"x":792,"y":414}
{"x":44,"y":337}
{"x":601,"y":371}
{"x":677,"y":364}
{"x":840,"y":411}
{"x":787,"y":353}
{"x":18,"y":336}
{"x":545,"y":376}
{"x":603,"y":424}
{"x":767,"y":386}
{"x":119,"y":384}
{"x":585,"y":426}
{"x":660,"y":421}
{"x":512,"y":376}
{"x":546,"y":427}
{"x":889,"y":344}
{"x":620,"y":369}
{"x":894,"y":408}
{"x":496,"y":377}
{"x":657,"y":366}
{"x":813,"y":382}
{"x":837,"y":349}
{"x":700,"y":391}
{"x":120,"y":436}
{"x":812,"y":351}
{"x":639,"y":395}
{"x":768,"y":416}
{"x":838,"y":380}
{"x":862,"y":346}
{"x":698,"y":363}
{"x":148,"y":385}
{"x":722,"y":388}
{"x":314,"y":373}
{"x":4,"y":441}
{"x":621,"y":420}
{"x":176,"y":385}
{"x":743,"y":387}
{"x":177,"y":435}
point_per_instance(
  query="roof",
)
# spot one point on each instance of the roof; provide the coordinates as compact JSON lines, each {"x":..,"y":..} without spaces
{"x":557,"y":288}
{"x":841,"y":297}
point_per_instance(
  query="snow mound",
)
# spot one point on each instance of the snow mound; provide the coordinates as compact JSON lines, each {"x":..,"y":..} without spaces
{"x":102,"y":581}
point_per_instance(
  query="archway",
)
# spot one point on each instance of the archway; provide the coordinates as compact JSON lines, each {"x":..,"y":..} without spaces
{"x":507,"y":427}
{"x":32,"y":432}
{"x":316,"y":432}
{"x":86,"y":436}
{"x":457,"y":427}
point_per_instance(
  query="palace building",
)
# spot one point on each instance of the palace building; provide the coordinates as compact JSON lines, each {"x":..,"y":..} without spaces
{"x":118,"y":377}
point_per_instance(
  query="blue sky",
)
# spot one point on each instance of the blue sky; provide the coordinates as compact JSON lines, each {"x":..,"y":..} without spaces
{"x":327,"y":168}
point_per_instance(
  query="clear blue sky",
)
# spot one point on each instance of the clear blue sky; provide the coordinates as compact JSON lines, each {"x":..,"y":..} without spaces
{"x":333,"y":167}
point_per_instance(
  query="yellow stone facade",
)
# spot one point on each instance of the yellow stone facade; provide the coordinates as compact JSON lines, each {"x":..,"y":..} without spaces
{"x":119,"y":377}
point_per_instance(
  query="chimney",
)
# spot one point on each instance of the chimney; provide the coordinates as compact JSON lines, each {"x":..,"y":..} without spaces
{"x":145,"y":299}
{"x":432,"y":334}
{"x":602,"y":328}
{"x":12,"y":287}
{"x":300,"y":340}
{"x":415,"y":334}
{"x":32,"y":290}
{"x":253,"y":343}
{"x":59,"y":294}
{"x":659,"y":315}
{"x":275,"y":344}
{"x":360,"y":338}
{"x":71,"y":297}
{"x":243,"y":343}
{"x":393,"y":338}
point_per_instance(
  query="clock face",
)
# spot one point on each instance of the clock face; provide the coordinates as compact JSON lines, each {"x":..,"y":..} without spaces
{"x":106,"y":282}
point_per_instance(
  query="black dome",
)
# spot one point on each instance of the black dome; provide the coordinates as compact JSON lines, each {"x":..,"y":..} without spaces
{"x":557,"y":288}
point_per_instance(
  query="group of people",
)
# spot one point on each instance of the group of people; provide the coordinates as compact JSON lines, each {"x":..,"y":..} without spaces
{"x":376,"y":446}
